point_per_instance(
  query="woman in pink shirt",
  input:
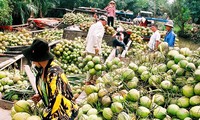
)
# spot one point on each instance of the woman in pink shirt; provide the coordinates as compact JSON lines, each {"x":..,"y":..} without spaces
{"x":111,"y":13}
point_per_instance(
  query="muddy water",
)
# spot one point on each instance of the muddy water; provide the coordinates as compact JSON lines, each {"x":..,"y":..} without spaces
{"x":188,"y":43}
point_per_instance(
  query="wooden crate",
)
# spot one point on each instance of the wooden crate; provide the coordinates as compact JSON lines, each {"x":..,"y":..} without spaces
{"x":71,"y":34}
{"x":6,"y":104}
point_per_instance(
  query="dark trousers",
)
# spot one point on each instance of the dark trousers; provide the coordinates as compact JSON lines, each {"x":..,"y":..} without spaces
{"x":111,"y":21}
{"x":118,"y":43}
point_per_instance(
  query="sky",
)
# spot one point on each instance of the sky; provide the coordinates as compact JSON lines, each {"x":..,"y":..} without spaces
{"x":170,"y":1}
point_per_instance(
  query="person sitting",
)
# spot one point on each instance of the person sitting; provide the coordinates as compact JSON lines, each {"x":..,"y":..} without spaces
{"x":118,"y":42}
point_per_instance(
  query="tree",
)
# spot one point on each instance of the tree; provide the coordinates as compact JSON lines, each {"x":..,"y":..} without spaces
{"x":21,"y":10}
{"x":195,"y":10}
{"x":181,"y":13}
{"x":5,"y":16}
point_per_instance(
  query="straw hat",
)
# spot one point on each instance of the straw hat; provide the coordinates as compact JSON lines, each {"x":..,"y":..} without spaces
{"x":112,"y":2}
{"x":169,"y":23}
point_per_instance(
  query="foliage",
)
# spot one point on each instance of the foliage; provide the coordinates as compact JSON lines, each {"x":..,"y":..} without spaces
{"x":195,"y":10}
{"x":181,"y":13}
{"x":5,"y":10}
{"x":22,"y":9}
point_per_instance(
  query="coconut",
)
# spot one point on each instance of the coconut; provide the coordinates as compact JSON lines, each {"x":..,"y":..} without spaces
{"x":195,"y":100}
{"x":123,"y":116}
{"x":133,"y":66}
{"x":162,"y":68}
{"x":21,"y":116}
{"x":145,"y":101}
{"x":183,"y":102}
{"x":92,"y":98}
{"x":197,"y":89}
{"x":106,"y":101}
{"x":175,"y":67}
{"x":190,"y":67}
{"x":188,"y":90}
{"x":178,"y":58}
{"x":13,"y":112}
{"x":116,"y":107}
{"x":86,"y":108}
{"x":159,"y":99}
{"x":22,"y":106}
{"x":2,"y":74}
{"x":128,"y":74}
{"x":102,"y":92}
{"x":96,"y":59}
{"x":166,"y":85}
{"x":118,"y":98}
{"x":183,"y":63}
{"x":83,"y":117}
{"x":195,"y":112}
{"x":170,"y":63}
{"x":160,"y":112}
{"x":182,"y":113}
{"x":154,"y":80}
{"x":180,"y":72}
{"x":172,"y":53}
{"x":132,"y":84}
{"x":34,"y":117}
{"x":92,"y":111}
{"x":107,"y":113}
{"x":145,"y":75}
{"x":98,"y":67}
{"x":133,"y":95}
{"x":185,"y":51}
{"x":141,"y":69}
{"x":143,"y":112}
{"x":90,"y":89}
{"x":197,"y":75}
{"x":90,"y":64}
{"x":172,"y":109}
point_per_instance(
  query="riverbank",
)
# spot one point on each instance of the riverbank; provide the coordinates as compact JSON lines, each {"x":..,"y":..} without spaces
{"x":188,"y":43}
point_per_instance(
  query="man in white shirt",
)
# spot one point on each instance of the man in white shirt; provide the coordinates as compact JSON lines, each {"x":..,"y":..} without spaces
{"x":95,"y":36}
{"x":155,"y":38}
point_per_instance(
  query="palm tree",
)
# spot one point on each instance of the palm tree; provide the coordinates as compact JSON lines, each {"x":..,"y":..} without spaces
{"x":22,"y":9}
{"x":44,"y":5}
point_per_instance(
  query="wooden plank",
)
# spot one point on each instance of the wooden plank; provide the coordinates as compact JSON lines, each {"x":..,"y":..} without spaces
{"x":31,"y":77}
{"x":6,"y":104}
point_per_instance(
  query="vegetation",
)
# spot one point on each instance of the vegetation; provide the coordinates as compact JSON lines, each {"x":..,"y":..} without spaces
{"x":181,"y":11}
{"x":5,"y":16}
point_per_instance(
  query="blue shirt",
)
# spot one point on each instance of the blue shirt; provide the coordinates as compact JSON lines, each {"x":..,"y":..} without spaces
{"x":170,"y":38}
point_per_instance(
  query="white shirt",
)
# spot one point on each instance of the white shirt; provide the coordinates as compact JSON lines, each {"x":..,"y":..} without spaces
{"x":94,"y":37}
{"x":155,"y":37}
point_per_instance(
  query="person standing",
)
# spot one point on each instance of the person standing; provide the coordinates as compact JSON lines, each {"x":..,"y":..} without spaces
{"x":51,"y":82}
{"x":95,"y":36}
{"x":154,"y":39}
{"x":170,"y":35}
{"x":110,"y":9}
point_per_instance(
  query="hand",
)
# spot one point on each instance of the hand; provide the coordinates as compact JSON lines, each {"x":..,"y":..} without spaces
{"x":96,"y":51}
{"x":36,"y":98}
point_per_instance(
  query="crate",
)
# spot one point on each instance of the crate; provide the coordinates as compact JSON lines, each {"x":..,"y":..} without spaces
{"x":6,"y":104}
{"x":71,"y":34}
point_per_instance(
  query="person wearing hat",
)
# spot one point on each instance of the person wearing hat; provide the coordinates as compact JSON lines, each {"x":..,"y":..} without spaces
{"x":95,"y":36}
{"x":170,"y":35}
{"x":110,"y":9}
{"x":51,"y":82}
